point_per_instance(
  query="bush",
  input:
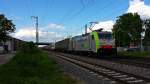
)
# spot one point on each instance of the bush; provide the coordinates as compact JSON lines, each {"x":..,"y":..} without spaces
{"x":29,"y":47}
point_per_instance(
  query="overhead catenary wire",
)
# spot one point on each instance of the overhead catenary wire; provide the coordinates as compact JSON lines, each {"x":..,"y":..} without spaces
{"x":75,"y":15}
{"x":94,"y":1}
{"x":84,"y":6}
{"x":115,"y":12}
{"x":49,"y":6}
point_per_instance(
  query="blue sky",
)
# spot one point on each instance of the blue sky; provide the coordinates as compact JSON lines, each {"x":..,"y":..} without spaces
{"x":59,"y":18}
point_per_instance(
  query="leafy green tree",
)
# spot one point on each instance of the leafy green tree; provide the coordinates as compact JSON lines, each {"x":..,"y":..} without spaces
{"x":127,"y":29}
{"x":147,"y":33}
{"x":6,"y":27}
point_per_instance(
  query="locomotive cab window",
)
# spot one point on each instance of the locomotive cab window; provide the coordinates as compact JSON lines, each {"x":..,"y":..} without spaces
{"x":108,"y":36}
{"x":105,"y":36}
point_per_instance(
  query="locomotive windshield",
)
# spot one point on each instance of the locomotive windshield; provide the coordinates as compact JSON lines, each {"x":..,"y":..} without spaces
{"x":105,"y":36}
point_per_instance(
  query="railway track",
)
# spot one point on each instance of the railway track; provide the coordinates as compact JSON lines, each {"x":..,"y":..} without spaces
{"x":139,"y":62}
{"x":134,"y":62}
{"x":111,"y":74}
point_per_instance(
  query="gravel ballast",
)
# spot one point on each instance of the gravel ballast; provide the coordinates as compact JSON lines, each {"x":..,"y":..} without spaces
{"x":139,"y":71}
{"x":80,"y":73}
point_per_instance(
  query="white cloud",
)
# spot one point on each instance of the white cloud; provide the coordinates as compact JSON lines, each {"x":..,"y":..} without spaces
{"x":29,"y":33}
{"x":54,"y":26}
{"x":135,"y":6}
{"x":106,"y":25}
{"x":25,"y":32}
{"x":138,"y":6}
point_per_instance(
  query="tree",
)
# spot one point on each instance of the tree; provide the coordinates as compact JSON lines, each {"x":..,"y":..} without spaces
{"x":147,"y":33}
{"x":127,"y":29}
{"x":6,"y":27}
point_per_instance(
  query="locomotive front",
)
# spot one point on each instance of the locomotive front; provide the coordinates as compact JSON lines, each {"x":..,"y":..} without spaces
{"x":105,"y":43}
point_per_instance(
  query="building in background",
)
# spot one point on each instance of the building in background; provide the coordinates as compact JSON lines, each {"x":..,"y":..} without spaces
{"x":11,"y":45}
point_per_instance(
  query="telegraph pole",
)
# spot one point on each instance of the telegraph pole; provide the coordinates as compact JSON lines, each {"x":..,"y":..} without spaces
{"x":85,"y":28}
{"x":36,"y":25}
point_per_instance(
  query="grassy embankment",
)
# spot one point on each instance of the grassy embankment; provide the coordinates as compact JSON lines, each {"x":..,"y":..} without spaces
{"x":31,"y":66}
{"x":139,"y":54}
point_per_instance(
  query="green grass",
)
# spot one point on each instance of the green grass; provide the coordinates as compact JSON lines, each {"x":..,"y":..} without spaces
{"x":144,"y":54}
{"x":35,"y":67}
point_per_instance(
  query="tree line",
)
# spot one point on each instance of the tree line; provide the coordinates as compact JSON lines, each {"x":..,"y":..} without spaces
{"x":130,"y":28}
{"x":6,"y":27}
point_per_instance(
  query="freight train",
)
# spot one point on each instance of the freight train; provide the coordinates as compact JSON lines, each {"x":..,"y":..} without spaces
{"x":97,"y":42}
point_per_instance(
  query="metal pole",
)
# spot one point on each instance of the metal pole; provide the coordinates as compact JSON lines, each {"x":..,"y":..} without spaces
{"x":142,"y":49}
{"x":37,"y":33}
{"x":141,"y":44}
{"x":85,"y":28}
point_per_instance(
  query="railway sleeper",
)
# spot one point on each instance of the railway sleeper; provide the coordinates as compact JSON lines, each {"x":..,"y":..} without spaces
{"x":115,"y":74}
{"x":136,"y":81}
{"x":128,"y":78}
{"x":120,"y":76}
{"x":111,"y":72}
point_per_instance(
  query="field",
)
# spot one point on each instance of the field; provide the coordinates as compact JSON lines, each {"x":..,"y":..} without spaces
{"x":32,"y":66}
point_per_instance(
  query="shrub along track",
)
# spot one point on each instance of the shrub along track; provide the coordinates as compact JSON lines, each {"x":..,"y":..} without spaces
{"x":110,"y":70}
